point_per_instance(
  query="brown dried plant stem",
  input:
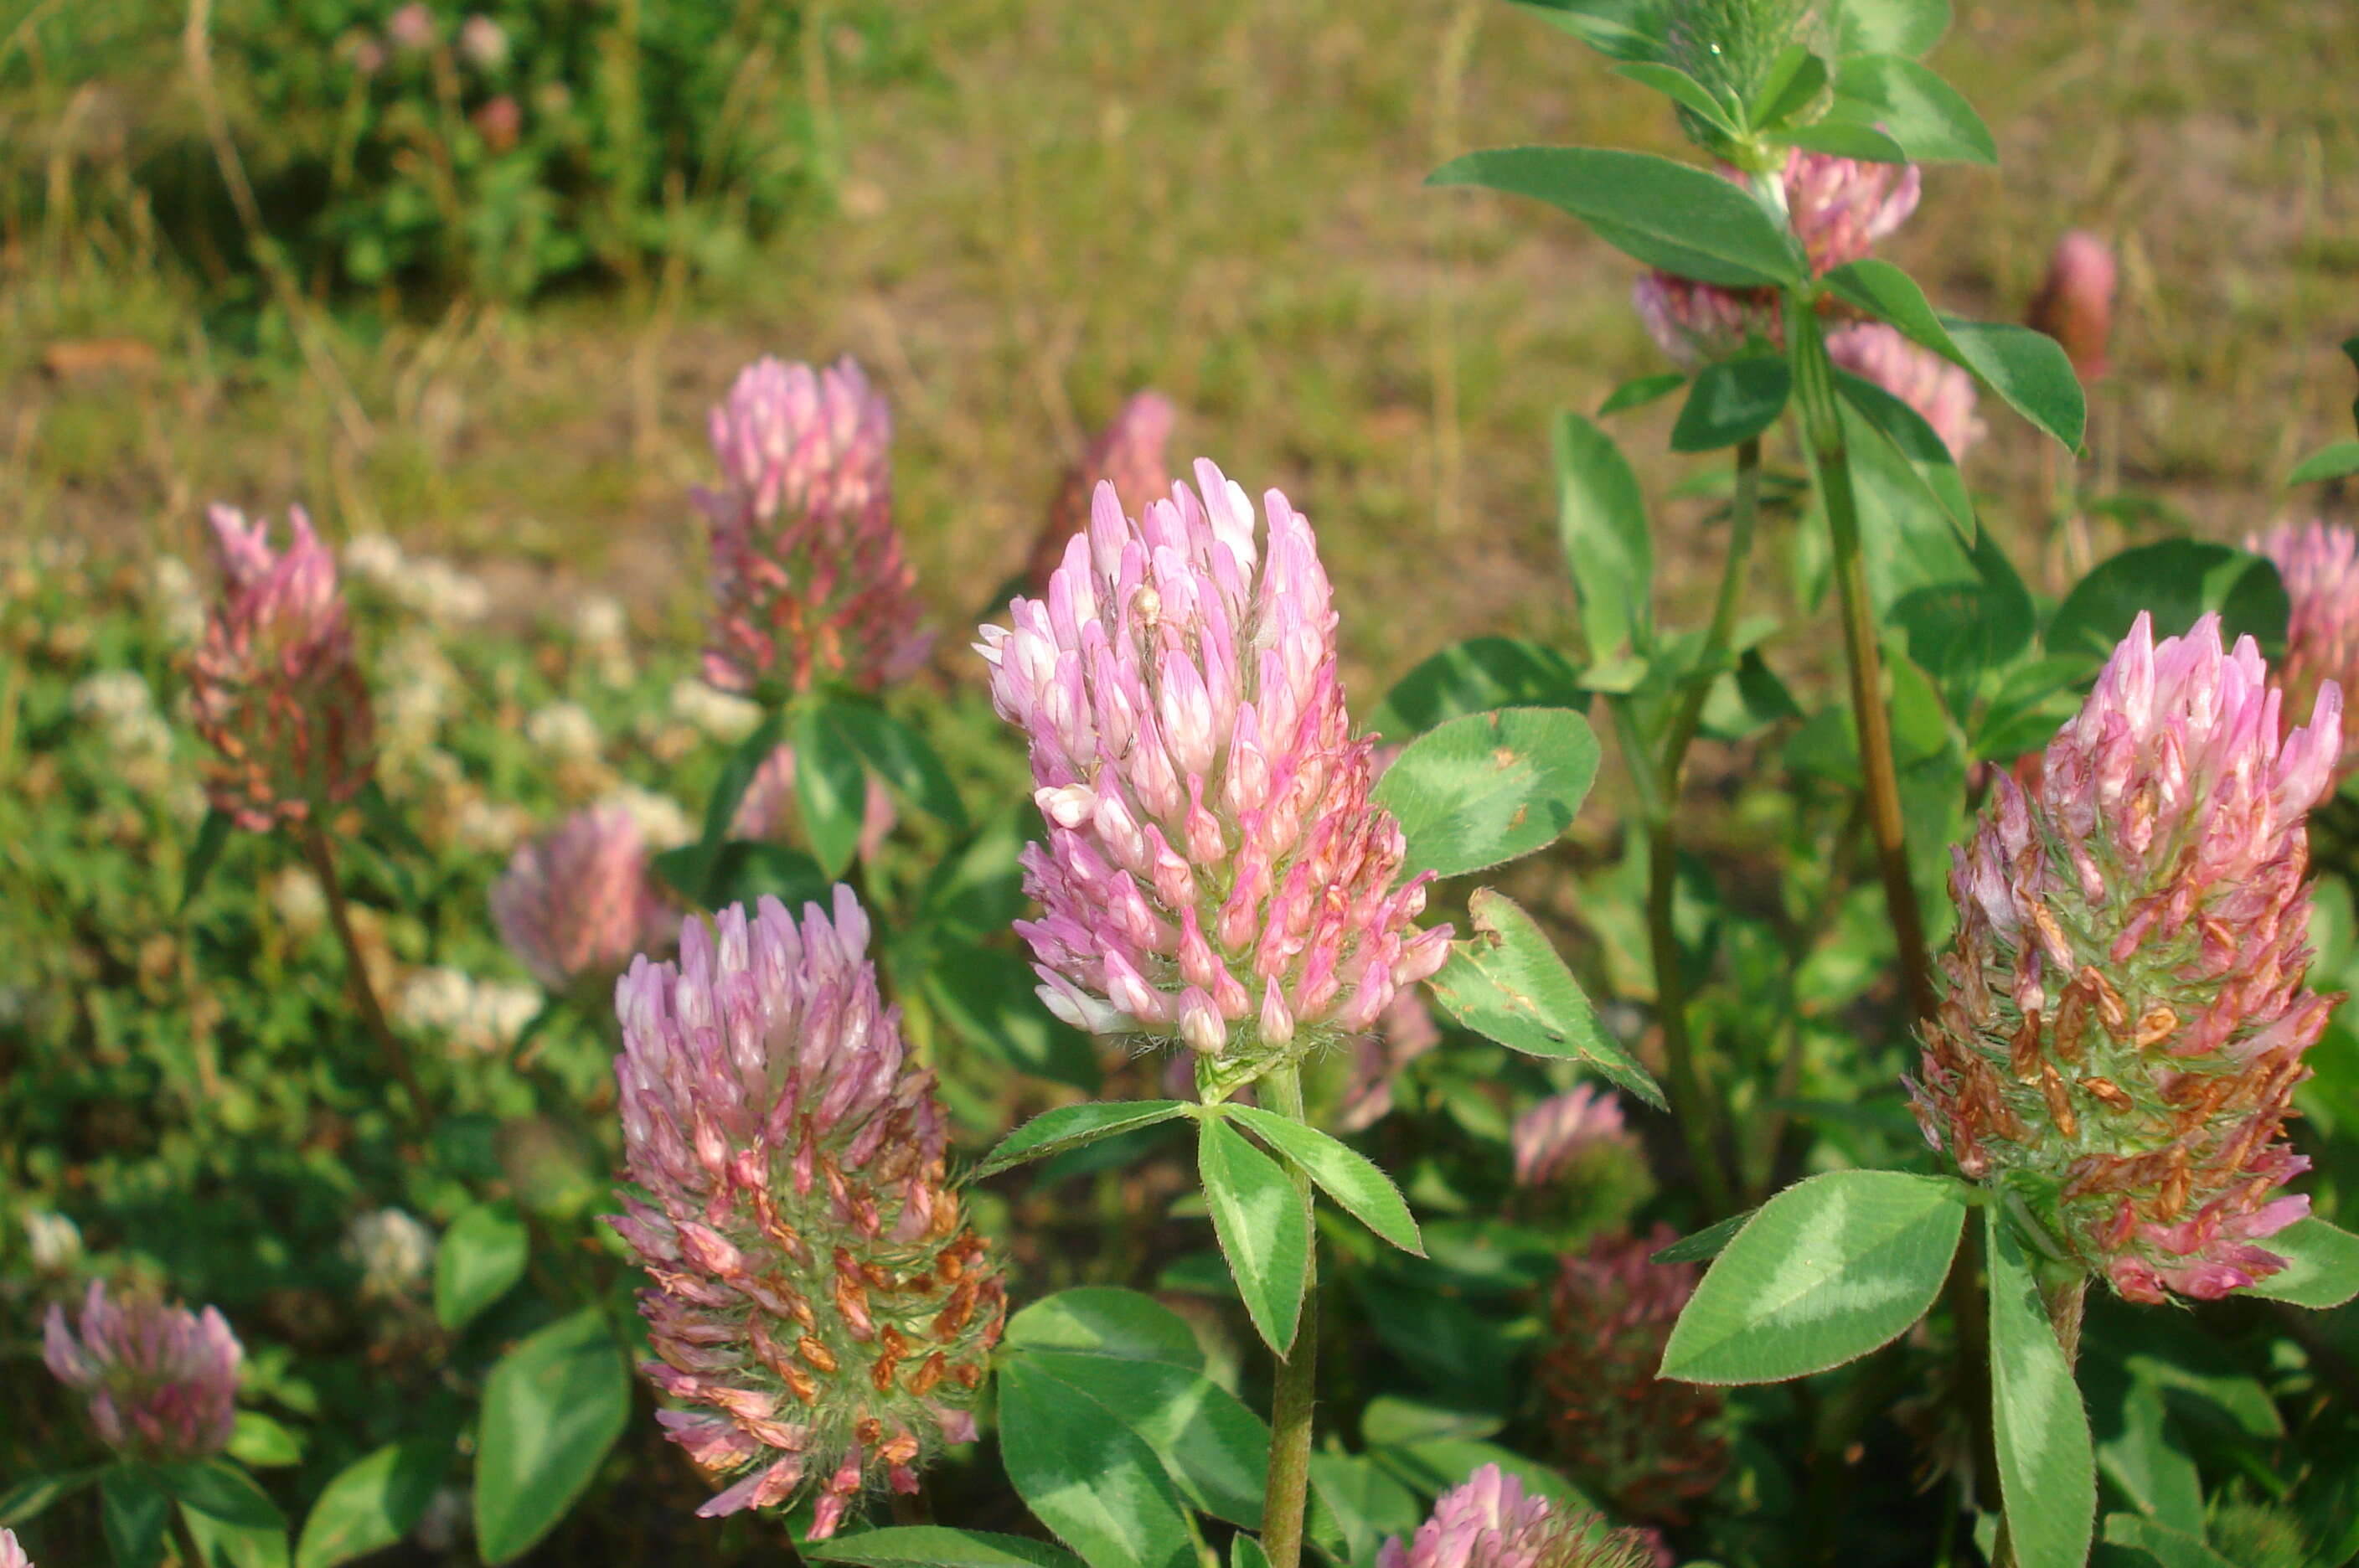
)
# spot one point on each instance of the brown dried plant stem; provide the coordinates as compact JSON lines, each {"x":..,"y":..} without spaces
{"x":1286,"y":1495}
{"x":356,"y":973}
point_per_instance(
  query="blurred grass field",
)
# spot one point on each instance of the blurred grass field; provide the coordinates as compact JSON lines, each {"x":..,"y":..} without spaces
{"x":1057,"y":204}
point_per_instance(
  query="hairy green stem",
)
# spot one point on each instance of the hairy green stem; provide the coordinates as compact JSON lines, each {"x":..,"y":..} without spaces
{"x":356,"y":973}
{"x":1285,"y":1496}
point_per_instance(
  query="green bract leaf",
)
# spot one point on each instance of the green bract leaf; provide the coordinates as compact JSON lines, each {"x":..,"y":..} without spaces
{"x":1680,"y":89}
{"x":1845,"y":138}
{"x":1088,"y":1476}
{"x":1618,"y":29}
{"x":2028,"y":369}
{"x":1795,"y":82}
{"x":1734,"y":400}
{"x":1709,"y":1242}
{"x":478,"y":1260}
{"x":552,"y":1408}
{"x":831,"y":790}
{"x":1640,"y":390}
{"x":133,"y":1509}
{"x":1671,"y":215}
{"x":1910,"y":28}
{"x":991,"y":999}
{"x":2175,"y":580}
{"x":1344,"y":1174}
{"x":1508,"y":982}
{"x":900,"y":756}
{"x":1914,"y":107}
{"x":1070,"y":1126}
{"x":1474,"y":676}
{"x":1824,"y":1273}
{"x":1104,"y":1320}
{"x":2046,"y":1470}
{"x":1601,"y":522}
{"x":1264,"y":1228}
{"x":371,"y":1503}
{"x":2333,"y":463}
{"x":2322,"y":1264}
{"x":938,"y":1546}
{"x":1489,"y":788}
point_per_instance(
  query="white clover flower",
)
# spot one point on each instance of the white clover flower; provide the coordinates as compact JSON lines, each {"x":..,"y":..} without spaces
{"x":494,"y":826}
{"x":564,"y":730}
{"x":54,"y":1241}
{"x":179,"y":604}
{"x":375,"y":559}
{"x":393,"y":1250}
{"x":298,"y":900}
{"x":599,"y":618}
{"x":660,"y":821}
{"x":726,"y":717}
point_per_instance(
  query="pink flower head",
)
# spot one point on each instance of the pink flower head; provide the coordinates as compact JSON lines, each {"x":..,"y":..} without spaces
{"x":2319,"y":565}
{"x":1404,"y":1032}
{"x":1698,"y":324}
{"x":275,"y":689}
{"x":1490,"y":1521}
{"x":1942,"y":393}
{"x":1553,"y":1137}
{"x":816,"y":1301}
{"x":807,"y":580}
{"x":1128,"y":454}
{"x":162,"y":1380}
{"x":2075,"y":302}
{"x":12,"y":1553}
{"x":767,"y":806}
{"x":2125,"y":1014}
{"x":413,"y":28}
{"x":1650,"y":1444}
{"x":1215,"y":873}
{"x":579,"y":900}
{"x":1842,"y":208}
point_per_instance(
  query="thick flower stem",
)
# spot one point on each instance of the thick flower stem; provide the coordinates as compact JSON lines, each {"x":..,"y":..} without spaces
{"x":1286,"y":1496}
{"x":356,"y":973}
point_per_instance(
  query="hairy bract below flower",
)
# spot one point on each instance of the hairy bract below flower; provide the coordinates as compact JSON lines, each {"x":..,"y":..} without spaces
{"x":1650,"y":1445}
{"x":276,"y":689}
{"x":1492,"y":1523}
{"x":2124,"y":1014}
{"x":1216,"y":872}
{"x":2075,"y":302}
{"x":807,"y":580}
{"x":817,"y":1300}
{"x":162,"y":1380}
{"x":1942,"y":394}
{"x":2319,"y":565}
{"x":1128,"y":454}
{"x":579,"y":902}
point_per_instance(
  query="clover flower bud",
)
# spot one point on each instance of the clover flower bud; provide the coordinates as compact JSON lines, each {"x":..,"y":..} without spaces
{"x":1490,"y":1521}
{"x":1650,"y":1445}
{"x":2075,"y":302}
{"x":1215,"y":873}
{"x":2319,"y":565}
{"x":275,"y":688}
{"x":162,"y":1380}
{"x":1128,"y":454}
{"x":1942,"y":394}
{"x":817,"y":1301}
{"x":807,"y":580}
{"x":1554,"y":1136}
{"x":2124,"y":1014}
{"x":577,"y":902}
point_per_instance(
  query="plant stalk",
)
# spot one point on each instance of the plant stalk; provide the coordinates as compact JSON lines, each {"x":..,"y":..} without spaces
{"x":356,"y":973}
{"x":1285,"y":1496}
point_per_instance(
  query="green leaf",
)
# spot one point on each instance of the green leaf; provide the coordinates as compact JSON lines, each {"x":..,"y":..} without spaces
{"x":1344,"y":1174}
{"x":1913,"y":106}
{"x":478,"y":1260}
{"x":831,"y":790}
{"x":1680,"y":89}
{"x":1489,"y":788}
{"x":1439,"y":1464}
{"x":2321,"y":1266}
{"x":729,"y":784}
{"x":1070,"y":1126}
{"x":1263,"y":1226}
{"x":1795,"y":82}
{"x":1671,"y":215}
{"x":1824,"y":1273}
{"x":212,"y":837}
{"x":262,"y":1442}
{"x":2028,"y":369}
{"x":1959,"y":630}
{"x":133,"y":1509}
{"x":1361,"y":1502}
{"x":1640,"y":390}
{"x":2333,"y":463}
{"x":1709,"y":1242}
{"x":2047,"y":1469}
{"x":1474,"y":676}
{"x":1215,"y":1450}
{"x":1601,"y":522}
{"x":1104,"y":1320}
{"x":2177,"y":580}
{"x":1618,"y":29}
{"x":1506,"y":982}
{"x":231,"y":1520}
{"x":746,"y":871}
{"x":1732,"y":401}
{"x":991,"y":998}
{"x":1908,"y":27}
{"x":1917,"y":443}
{"x":1244,"y":1551}
{"x":901,"y":756}
{"x":1842,"y":138}
{"x":552,"y":1408}
{"x":371,"y":1503}
{"x":938,"y":1546}
{"x":1087,"y":1476}
{"x":2134,"y":1446}
{"x":2171,"y":1547}
{"x":32,"y":1496}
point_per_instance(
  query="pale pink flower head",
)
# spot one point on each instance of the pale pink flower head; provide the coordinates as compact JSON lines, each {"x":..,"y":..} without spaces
{"x":1842,"y":208}
{"x":1490,"y":1521}
{"x":817,"y":1302}
{"x":809,"y":582}
{"x":1404,"y":1032}
{"x":767,"y":809}
{"x":1554,"y":1136}
{"x":2075,"y":302}
{"x":162,"y":1380}
{"x":1128,"y":454}
{"x":1215,"y":873}
{"x":2124,"y":1015}
{"x":1942,"y":394}
{"x":413,"y":28}
{"x":12,"y":1553}
{"x":2320,"y":566}
{"x":275,"y":689}
{"x":1696,"y":324}
{"x":578,"y":902}
{"x":483,"y":42}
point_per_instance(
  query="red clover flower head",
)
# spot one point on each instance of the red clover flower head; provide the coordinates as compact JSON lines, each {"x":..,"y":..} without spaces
{"x":276,"y":690}
{"x":12,"y":1553}
{"x":1552,"y":1137}
{"x":1942,"y":393}
{"x":1490,"y":1521}
{"x":1128,"y":454}
{"x":2319,"y":565}
{"x":162,"y":1380}
{"x":2075,"y":302}
{"x":579,"y":902}
{"x":816,"y":1300}
{"x":809,"y":583}
{"x":2123,"y":1015}
{"x":1215,"y":873}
